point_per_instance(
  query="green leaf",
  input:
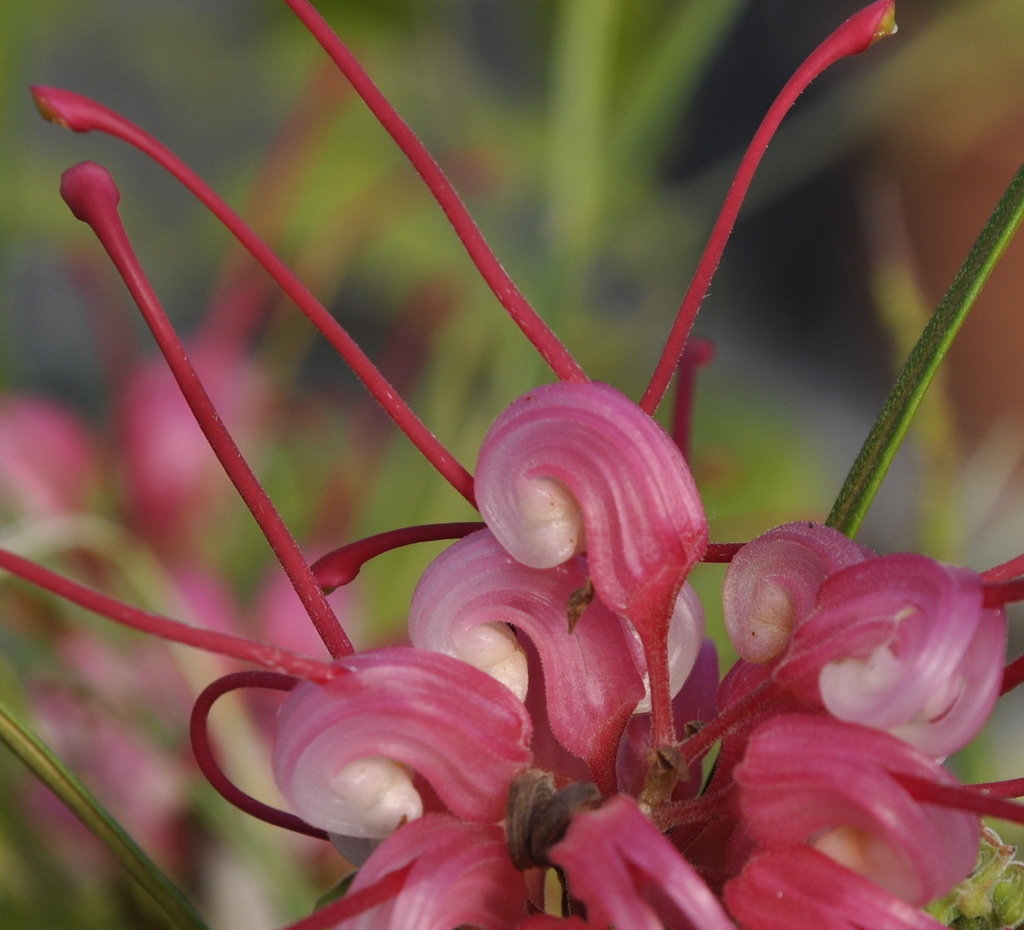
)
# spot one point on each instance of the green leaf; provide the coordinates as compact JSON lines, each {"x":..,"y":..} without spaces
{"x":884,"y":440}
{"x":40,"y":759}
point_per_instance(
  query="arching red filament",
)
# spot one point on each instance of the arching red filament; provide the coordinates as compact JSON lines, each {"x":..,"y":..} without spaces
{"x":518,"y":308}
{"x":854,"y":36}
{"x":203,"y":751}
{"x":83,"y":115}
{"x":91,"y":194}
{"x":225,"y":644}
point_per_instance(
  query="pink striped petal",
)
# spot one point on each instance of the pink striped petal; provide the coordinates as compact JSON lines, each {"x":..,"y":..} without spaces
{"x":772,"y":582}
{"x":902,"y":643}
{"x":345,"y":751}
{"x":830,"y":784}
{"x":474,"y":591}
{"x":575,"y":467}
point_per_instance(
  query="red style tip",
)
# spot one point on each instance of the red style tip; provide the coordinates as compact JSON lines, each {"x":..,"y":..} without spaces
{"x":88,"y":189}
{"x":63,"y":108}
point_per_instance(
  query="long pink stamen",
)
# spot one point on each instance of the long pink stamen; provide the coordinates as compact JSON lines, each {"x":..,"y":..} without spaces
{"x":854,"y":36}
{"x":81,"y":114}
{"x":518,"y":308}
{"x":225,"y":644}
{"x":91,"y":194}
{"x":203,"y":751}
{"x":340,"y":566}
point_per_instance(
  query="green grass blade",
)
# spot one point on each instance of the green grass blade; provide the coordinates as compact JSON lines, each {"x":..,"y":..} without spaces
{"x":38,"y":757}
{"x":883,"y":441}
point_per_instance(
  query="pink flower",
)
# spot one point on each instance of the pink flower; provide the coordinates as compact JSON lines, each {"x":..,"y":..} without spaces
{"x":903,"y":643}
{"x":832,"y":785}
{"x":772,"y":582}
{"x":348,"y":752}
{"x":474,"y":595}
{"x":571,"y":468}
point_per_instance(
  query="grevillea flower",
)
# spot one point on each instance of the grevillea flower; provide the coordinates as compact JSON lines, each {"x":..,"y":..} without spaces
{"x":772,"y":582}
{"x":346,"y":750}
{"x":508,"y":749}
{"x":572,"y":468}
{"x":903,"y":643}
{"x":833,"y":785}
{"x":473,"y":595}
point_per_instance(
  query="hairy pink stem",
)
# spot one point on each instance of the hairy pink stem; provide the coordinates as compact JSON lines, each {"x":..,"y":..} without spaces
{"x":518,"y":308}
{"x":81,"y":114}
{"x":203,"y":751}
{"x":340,"y":566}
{"x":91,"y":194}
{"x":854,"y":36}
{"x":225,"y":644}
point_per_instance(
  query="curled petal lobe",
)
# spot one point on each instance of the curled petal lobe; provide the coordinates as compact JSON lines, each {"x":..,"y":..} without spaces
{"x":834,"y":785}
{"x":461,"y":876}
{"x":346,"y":751}
{"x":630,"y":876}
{"x":772,"y":582}
{"x":575,"y":467}
{"x":473,"y":594}
{"x":902,"y":643}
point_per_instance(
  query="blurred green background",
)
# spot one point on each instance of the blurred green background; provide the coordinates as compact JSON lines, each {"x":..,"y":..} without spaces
{"x":593,"y":140}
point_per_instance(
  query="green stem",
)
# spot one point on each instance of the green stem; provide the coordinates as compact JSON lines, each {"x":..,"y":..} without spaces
{"x":883,"y":441}
{"x":59,"y":779}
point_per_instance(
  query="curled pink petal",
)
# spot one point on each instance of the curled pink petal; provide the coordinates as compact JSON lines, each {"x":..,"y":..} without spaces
{"x":461,"y":876}
{"x":571,"y":467}
{"x":630,"y":876}
{"x":833,"y":785}
{"x":800,"y":887}
{"x":772,"y":582}
{"x":345,"y":752}
{"x":474,"y":592}
{"x":903,"y":643}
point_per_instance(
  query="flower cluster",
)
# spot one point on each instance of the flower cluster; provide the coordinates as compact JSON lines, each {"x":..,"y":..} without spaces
{"x":535,"y":755}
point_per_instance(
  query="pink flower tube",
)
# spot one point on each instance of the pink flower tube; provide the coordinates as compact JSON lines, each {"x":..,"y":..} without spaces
{"x":571,"y":468}
{"x":833,"y":785}
{"x":474,"y":592}
{"x":771,"y":584}
{"x":902,"y":643}
{"x":346,"y":751}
